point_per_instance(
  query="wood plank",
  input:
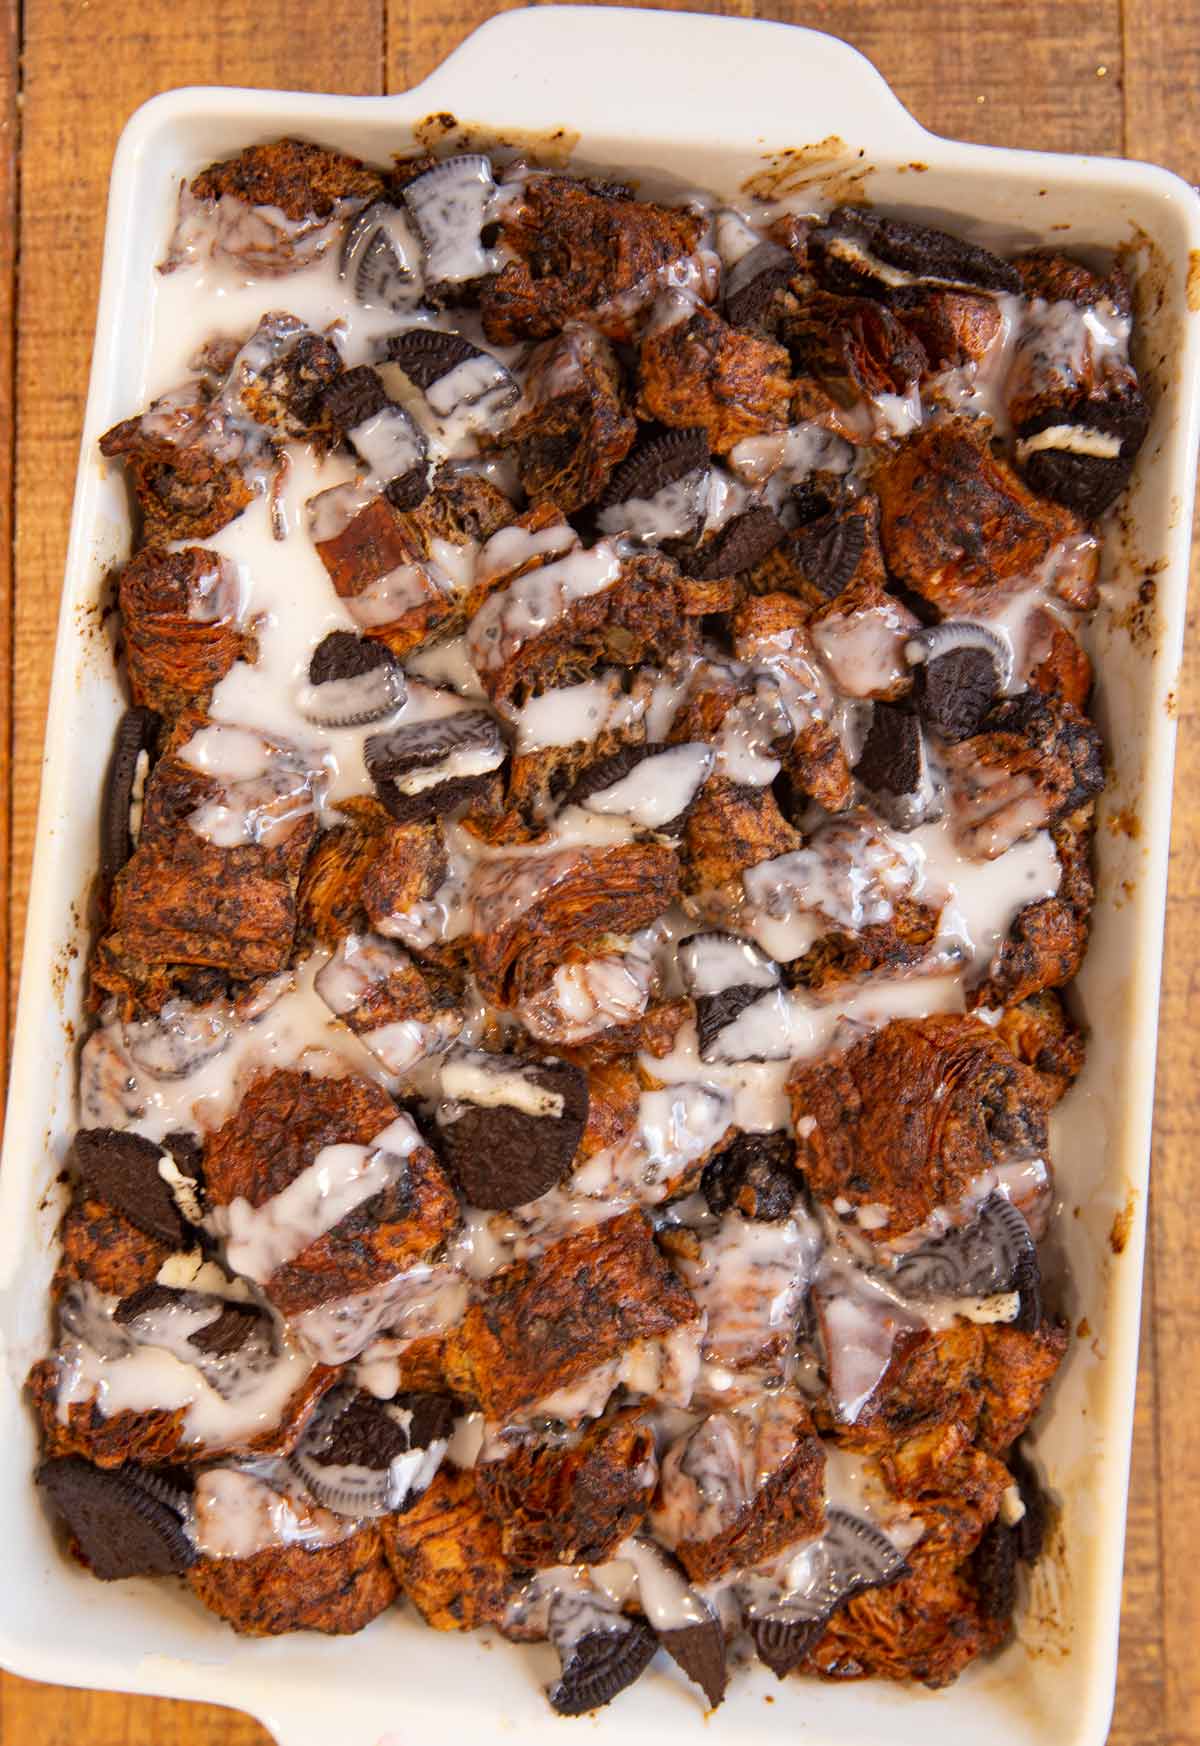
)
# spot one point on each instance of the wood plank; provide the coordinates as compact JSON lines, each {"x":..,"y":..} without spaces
{"x":72,"y":118}
{"x":54,"y":1715}
{"x":1162,"y":65}
{"x":9,"y":135}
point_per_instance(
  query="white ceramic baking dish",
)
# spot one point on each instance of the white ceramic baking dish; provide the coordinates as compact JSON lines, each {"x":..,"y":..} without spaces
{"x":713,"y":101}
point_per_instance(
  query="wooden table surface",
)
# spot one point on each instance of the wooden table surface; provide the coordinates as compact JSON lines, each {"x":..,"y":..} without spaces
{"x":1108,"y":76}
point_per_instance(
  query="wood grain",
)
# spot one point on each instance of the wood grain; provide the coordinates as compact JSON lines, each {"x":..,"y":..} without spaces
{"x":1162,"y":63}
{"x":1068,"y":76}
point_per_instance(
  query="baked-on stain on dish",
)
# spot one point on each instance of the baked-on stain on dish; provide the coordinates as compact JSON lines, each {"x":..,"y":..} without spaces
{"x":444,"y":132}
{"x":1125,"y":823}
{"x":820,"y":166}
{"x":1118,"y":1236}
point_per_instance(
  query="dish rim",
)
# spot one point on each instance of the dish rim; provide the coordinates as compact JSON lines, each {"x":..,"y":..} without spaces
{"x":890,"y":130}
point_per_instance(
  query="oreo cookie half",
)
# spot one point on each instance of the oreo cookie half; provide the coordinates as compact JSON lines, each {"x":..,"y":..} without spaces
{"x":120,"y":814}
{"x":364,"y":1457}
{"x":352,"y":681}
{"x":654,"y":786}
{"x":601,"y":1664}
{"x":508,"y":1129}
{"x":1082,"y":456}
{"x":423,"y":769}
{"x":755,"y":1175}
{"x":426,"y":354}
{"x":126,"y":1521}
{"x":961,"y":667}
{"x":953,"y":692}
{"x":859,"y":251}
{"x":994,"y":1254}
{"x":380,"y":258}
{"x":121,"y":1169}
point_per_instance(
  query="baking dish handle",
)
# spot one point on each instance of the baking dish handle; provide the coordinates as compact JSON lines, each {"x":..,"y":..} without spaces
{"x":640,"y":71}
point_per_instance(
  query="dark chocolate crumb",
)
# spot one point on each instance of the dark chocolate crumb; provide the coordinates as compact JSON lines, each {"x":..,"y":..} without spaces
{"x":755,"y":1175}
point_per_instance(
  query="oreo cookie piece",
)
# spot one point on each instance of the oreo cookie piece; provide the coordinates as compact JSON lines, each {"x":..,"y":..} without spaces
{"x":654,"y":463}
{"x":752,"y":284}
{"x":858,"y":251}
{"x":355,"y":395}
{"x":146,"y":1298}
{"x":380,"y":258}
{"x":229,"y":1332}
{"x":652,"y":785}
{"x":994,"y":1568}
{"x":1082,"y":455}
{"x":360,"y":1456}
{"x":718,"y":1012}
{"x":601,"y":1664}
{"x":352,"y":681}
{"x":699,"y":1650}
{"x":994,"y":1254}
{"x":388,"y":441}
{"x":851,"y":1556}
{"x":953,"y":692}
{"x":1031,"y":1529}
{"x":741,"y":543}
{"x":410,"y":490}
{"x":448,"y":204}
{"x":782,"y":1644}
{"x":829,"y":549}
{"x":126,"y":1521}
{"x":463,"y":386}
{"x":508,"y":1129}
{"x":423,"y":769}
{"x":894,"y":765}
{"x":129,"y":766}
{"x":425,"y":354}
{"x":726,"y":976}
{"x":231,"y":1325}
{"x":121,"y":1169}
{"x":755,"y":1175}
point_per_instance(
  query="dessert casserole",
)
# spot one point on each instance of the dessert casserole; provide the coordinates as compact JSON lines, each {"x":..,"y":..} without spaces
{"x":592,"y":870}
